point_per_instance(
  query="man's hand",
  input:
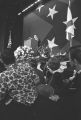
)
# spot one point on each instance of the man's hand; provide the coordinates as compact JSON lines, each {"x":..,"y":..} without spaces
{"x":54,"y":98}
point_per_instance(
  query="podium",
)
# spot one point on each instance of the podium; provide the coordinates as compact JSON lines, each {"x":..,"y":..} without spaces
{"x":32,"y":43}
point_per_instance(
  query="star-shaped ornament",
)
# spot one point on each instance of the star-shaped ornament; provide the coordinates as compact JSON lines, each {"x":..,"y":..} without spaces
{"x":39,"y":8}
{"x":70,"y":27}
{"x":51,"y":44}
{"x":70,"y":22}
{"x":52,"y":12}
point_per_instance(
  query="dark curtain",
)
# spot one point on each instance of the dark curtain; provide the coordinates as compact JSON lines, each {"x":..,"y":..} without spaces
{"x":3,"y":33}
{"x":17,"y":29}
{"x":13,"y":24}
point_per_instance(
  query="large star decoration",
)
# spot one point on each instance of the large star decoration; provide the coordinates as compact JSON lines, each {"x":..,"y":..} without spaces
{"x":70,"y":25}
{"x":51,"y":44}
{"x":39,"y":8}
{"x":52,"y":12}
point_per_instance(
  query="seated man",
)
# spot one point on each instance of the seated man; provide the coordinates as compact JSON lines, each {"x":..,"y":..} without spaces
{"x":69,"y":80}
{"x":76,"y":62}
{"x":59,"y":73}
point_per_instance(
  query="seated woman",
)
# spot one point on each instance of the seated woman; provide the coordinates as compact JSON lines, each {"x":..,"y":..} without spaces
{"x":21,"y":81}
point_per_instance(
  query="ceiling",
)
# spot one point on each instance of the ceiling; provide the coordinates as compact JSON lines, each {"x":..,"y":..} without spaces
{"x":12,"y":6}
{"x":15,"y":2}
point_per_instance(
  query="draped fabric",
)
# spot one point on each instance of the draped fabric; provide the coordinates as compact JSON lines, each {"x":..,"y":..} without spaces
{"x":3,"y":34}
{"x":13,"y":24}
{"x":47,"y":28}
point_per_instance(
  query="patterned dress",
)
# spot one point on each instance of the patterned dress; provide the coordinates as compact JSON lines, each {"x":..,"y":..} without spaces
{"x":20,"y":81}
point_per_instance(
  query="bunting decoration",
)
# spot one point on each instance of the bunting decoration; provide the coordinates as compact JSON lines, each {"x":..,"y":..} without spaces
{"x":47,"y":21}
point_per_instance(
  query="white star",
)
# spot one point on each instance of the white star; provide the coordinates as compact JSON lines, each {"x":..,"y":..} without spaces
{"x":39,"y":7}
{"x":73,"y":20}
{"x":51,"y":44}
{"x":70,"y":25}
{"x":52,"y":12}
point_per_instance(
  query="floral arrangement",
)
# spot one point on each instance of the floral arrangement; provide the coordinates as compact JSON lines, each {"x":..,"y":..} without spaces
{"x":23,"y":52}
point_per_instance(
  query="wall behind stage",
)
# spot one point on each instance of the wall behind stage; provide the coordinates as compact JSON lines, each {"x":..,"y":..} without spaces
{"x":38,"y":23}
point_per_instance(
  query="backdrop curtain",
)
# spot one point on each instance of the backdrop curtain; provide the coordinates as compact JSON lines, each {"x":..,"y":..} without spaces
{"x":16,"y":29}
{"x":13,"y":24}
{"x":3,"y":33}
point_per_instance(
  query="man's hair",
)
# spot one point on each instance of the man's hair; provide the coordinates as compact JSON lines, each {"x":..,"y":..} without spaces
{"x":76,"y":54}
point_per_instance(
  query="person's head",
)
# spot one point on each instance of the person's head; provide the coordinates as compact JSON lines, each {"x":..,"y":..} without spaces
{"x":8,"y":56}
{"x":23,"y":53}
{"x":76,"y":56}
{"x":54,"y":63}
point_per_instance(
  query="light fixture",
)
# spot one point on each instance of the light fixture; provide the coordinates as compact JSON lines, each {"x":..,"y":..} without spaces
{"x":38,"y":1}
